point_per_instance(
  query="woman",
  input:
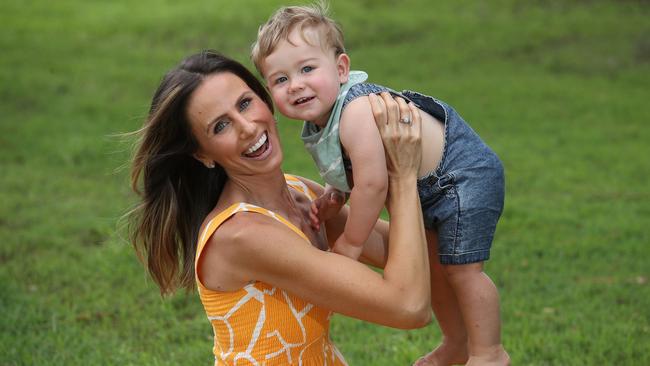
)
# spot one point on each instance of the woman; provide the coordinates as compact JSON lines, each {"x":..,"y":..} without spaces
{"x":208,"y":166}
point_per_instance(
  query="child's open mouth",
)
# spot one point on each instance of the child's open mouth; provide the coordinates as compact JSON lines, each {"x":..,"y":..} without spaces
{"x":302,"y":100}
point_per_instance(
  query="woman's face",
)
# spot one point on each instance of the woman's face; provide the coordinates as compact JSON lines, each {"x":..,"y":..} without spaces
{"x":233,"y":126}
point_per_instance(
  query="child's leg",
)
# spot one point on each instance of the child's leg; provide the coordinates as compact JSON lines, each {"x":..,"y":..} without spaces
{"x":453,"y":348}
{"x":478,"y":301}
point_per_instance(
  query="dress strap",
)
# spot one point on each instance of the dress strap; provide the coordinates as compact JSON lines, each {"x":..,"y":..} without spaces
{"x":300,"y":186}
{"x":216,"y":221}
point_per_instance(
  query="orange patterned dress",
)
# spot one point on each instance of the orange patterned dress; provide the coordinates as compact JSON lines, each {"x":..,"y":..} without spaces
{"x":260,"y":324}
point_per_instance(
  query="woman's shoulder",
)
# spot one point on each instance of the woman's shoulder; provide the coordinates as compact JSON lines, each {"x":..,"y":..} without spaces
{"x":309,"y":188}
{"x":228,"y":220}
{"x":235,"y":241}
{"x":237,"y":228}
{"x":232,"y":222}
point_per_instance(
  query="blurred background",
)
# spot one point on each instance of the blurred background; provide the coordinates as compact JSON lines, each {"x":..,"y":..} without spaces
{"x":559,"y":89}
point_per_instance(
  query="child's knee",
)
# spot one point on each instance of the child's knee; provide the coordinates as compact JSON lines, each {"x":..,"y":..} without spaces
{"x":462,"y":272}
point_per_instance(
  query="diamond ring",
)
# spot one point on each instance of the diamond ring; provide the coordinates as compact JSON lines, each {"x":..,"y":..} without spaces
{"x":406,"y":120}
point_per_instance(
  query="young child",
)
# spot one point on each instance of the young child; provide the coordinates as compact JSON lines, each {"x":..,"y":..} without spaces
{"x":300,"y":54}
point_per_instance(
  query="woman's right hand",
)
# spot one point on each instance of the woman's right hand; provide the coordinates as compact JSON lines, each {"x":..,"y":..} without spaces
{"x":400,"y":296}
{"x":402,"y":140}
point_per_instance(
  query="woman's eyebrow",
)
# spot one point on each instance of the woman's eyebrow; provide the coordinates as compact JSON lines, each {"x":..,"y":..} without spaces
{"x":219,"y":117}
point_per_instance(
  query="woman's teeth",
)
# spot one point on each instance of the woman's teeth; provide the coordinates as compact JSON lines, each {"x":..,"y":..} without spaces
{"x":257,"y":145}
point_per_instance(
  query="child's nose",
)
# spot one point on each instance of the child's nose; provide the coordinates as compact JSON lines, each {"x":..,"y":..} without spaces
{"x":295,"y":84}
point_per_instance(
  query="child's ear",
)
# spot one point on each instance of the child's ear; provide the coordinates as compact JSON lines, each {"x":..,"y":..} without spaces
{"x":343,"y":67}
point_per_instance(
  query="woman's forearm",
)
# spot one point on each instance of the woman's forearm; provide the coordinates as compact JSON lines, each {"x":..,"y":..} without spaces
{"x":408,"y":265}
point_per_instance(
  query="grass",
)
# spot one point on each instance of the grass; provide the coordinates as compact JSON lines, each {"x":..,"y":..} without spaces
{"x":559,"y":89}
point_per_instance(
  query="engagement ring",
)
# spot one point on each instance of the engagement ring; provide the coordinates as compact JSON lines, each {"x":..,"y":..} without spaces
{"x":406,"y":120}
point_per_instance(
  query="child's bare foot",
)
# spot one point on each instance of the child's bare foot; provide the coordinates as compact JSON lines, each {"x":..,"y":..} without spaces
{"x":444,"y":355}
{"x":495,"y":357}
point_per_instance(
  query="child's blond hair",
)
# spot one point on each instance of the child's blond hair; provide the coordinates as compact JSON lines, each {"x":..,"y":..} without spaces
{"x":286,"y":19}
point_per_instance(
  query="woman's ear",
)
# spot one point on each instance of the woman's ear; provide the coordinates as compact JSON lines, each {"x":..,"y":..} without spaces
{"x":343,"y":67}
{"x":207,"y":162}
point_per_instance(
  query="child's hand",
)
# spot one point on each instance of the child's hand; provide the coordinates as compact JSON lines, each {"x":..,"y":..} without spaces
{"x":326,"y":206}
{"x":341,"y":246}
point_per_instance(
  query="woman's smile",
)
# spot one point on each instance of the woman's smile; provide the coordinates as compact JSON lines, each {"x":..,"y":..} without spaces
{"x":260,"y":149}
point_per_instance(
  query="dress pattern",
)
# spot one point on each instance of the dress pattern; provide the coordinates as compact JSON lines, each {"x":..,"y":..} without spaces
{"x":264,"y":325}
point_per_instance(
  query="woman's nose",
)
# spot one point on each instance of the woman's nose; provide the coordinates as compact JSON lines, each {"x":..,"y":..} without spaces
{"x":246,"y":127}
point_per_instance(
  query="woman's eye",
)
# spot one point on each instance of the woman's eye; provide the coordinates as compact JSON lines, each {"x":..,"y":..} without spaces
{"x":307,"y":69}
{"x":280,"y":80}
{"x":245,"y":103}
{"x":219,"y":126}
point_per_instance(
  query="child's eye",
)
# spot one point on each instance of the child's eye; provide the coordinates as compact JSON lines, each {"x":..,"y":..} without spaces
{"x":244,"y":103}
{"x":280,"y":80}
{"x":219,"y":126}
{"x":307,"y":69}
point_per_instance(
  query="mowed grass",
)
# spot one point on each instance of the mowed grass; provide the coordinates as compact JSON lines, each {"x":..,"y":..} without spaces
{"x":559,"y":89}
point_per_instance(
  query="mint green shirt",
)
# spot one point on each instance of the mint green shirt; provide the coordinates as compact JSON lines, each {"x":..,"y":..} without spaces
{"x":324,"y":145}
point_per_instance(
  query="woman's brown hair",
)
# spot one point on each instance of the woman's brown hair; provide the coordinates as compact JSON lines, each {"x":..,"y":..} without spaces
{"x":176,"y":191}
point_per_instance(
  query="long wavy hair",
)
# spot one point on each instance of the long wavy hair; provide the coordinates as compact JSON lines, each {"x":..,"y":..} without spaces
{"x":176,"y":191}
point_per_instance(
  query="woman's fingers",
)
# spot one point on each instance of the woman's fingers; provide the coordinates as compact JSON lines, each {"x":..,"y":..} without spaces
{"x":404,"y":111}
{"x":416,"y":121}
{"x":399,"y":125}
{"x":378,"y":110}
{"x":392,"y":108}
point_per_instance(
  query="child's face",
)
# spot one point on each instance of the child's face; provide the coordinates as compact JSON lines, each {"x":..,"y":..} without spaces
{"x":304,"y":79}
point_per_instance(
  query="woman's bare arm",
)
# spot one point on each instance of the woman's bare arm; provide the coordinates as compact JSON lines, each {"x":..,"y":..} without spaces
{"x":375,"y":249}
{"x":251,"y":246}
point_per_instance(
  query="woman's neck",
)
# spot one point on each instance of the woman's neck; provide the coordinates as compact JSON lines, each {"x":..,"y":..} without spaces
{"x":269,"y":191}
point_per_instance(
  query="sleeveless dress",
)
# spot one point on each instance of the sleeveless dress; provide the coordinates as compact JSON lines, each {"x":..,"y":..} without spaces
{"x":261,"y":324}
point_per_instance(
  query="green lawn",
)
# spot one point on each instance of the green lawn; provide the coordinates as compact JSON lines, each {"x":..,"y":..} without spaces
{"x":560,"y":89}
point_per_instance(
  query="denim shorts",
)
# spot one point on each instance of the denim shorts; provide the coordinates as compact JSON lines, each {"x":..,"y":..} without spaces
{"x":463,"y":198}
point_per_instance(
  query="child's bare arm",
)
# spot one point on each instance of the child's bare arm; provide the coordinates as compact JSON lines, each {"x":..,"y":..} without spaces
{"x":362,"y":142}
